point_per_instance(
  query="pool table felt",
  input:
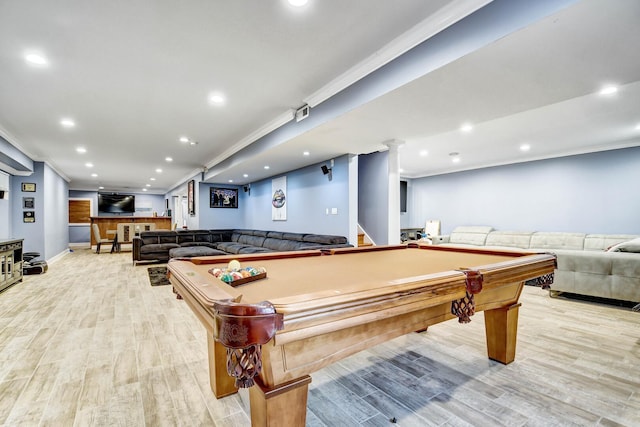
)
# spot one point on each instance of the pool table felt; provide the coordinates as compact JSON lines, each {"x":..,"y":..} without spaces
{"x":289,"y":280}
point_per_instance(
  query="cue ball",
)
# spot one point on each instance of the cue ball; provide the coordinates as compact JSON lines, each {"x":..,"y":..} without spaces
{"x":234,"y":265}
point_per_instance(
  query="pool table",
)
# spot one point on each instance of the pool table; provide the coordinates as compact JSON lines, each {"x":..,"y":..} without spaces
{"x":314,"y":308}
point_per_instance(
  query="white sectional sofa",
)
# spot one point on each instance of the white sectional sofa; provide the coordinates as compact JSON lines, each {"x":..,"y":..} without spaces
{"x":599,"y":265}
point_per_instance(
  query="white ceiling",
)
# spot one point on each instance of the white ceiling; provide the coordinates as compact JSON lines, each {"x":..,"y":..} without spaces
{"x":135,"y":76}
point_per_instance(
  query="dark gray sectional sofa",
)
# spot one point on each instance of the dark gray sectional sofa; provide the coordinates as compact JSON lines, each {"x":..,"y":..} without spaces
{"x":157,"y":245}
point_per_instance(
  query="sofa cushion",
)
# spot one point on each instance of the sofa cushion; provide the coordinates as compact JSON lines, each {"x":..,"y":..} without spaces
{"x":628,"y":246}
{"x":193,"y":251}
{"x":603,"y":242}
{"x":325,"y":239}
{"x":150,"y":237}
{"x":204,"y":244}
{"x":158,"y":247}
{"x":557,"y":240}
{"x":220,"y":236}
{"x":470,"y":235}
{"x":251,"y":240}
{"x":511,"y":239}
{"x":275,"y":234}
{"x":298,"y":237}
{"x":253,"y":250}
{"x":283,"y":245}
{"x":193,"y":236}
{"x":261,"y":233}
{"x":230,"y":247}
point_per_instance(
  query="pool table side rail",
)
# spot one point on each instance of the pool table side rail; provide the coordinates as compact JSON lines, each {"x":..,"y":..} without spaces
{"x":313,"y":314}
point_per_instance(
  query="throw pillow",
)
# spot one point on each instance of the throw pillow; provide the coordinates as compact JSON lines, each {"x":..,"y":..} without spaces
{"x":628,"y":246}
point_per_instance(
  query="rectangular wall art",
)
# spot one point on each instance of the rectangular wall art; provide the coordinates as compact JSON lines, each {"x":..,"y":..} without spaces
{"x":223,"y":197}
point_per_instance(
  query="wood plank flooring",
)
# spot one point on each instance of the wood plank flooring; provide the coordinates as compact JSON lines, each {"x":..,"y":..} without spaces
{"x":91,"y":343}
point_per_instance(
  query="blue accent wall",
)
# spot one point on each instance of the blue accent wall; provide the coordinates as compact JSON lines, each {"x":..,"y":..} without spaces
{"x":309,"y":195}
{"x":588,"y":193}
{"x":373,"y":196}
{"x":48,"y":234}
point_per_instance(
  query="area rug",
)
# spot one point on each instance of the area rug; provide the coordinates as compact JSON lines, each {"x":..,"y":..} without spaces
{"x":158,"y":276}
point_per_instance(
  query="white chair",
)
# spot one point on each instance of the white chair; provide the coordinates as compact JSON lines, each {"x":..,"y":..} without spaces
{"x":99,"y":239}
{"x":431,"y":229}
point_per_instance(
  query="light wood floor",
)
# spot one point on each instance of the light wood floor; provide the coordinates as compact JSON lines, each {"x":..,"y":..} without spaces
{"x":90,"y":343}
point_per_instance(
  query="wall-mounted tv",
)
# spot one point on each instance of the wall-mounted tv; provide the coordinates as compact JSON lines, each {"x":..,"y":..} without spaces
{"x":116,"y":203}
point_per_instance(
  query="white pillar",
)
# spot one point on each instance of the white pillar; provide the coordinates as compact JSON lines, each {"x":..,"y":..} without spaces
{"x":353,"y":199}
{"x":394,"y":191}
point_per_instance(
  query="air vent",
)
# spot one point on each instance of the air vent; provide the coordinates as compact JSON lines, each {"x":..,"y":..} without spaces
{"x":302,"y":113}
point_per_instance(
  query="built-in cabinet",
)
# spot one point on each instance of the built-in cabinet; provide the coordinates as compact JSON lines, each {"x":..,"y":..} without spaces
{"x":10,"y":262}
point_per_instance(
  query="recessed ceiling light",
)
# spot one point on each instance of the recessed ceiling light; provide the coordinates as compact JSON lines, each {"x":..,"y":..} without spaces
{"x":168,"y":159}
{"x":101,"y":188}
{"x":608,"y":90}
{"x":266,"y":167}
{"x":144,"y":189}
{"x":230,"y":180}
{"x":158,"y":170}
{"x":184,"y":139}
{"x":456,"y":160}
{"x":455,"y":156}
{"x":638,"y":126}
{"x":95,"y":175}
{"x":36,"y":59}
{"x":216,"y":98}
{"x":192,"y":143}
{"x":401,"y":170}
{"x":245,"y":175}
{"x":89,"y":164}
{"x":298,"y":3}
{"x":466,"y":127}
{"x":424,"y":153}
{"x":148,"y":185}
{"x":152,"y":179}
{"x":67,"y":123}
{"x":305,"y":153}
{"x":81,"y":150}
{"x":525,"y":147}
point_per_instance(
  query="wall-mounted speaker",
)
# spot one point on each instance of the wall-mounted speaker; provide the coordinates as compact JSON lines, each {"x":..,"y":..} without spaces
{"x":327,"y":171}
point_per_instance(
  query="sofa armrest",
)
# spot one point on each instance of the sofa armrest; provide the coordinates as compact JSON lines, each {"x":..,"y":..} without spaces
{"x":136,"y":245}
{"x":436,"y":240}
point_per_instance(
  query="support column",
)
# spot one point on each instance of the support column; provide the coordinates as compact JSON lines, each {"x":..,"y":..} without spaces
{"x":394,"y":191}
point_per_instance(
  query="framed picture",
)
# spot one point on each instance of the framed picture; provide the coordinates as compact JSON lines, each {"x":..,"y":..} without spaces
{"x":191,"y":203}
{"x":29,"y":187}
{"x":28,"y":216}
{"x":223,"y":197}
{"x":28,"y":203}
{"x":279,"y":199}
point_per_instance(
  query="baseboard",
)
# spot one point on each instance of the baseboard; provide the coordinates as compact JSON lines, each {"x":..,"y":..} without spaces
{"x":57,"y":257}
{"x":80,"y":245}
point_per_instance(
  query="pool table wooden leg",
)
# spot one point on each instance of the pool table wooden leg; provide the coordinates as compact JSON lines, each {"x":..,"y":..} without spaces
{"x":222,"y":384}
{"x":501,"y":326}
{"x":285,"y":405}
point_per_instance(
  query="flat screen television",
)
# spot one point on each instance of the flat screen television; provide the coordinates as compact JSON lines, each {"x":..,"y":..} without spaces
{"x":116,"y":203}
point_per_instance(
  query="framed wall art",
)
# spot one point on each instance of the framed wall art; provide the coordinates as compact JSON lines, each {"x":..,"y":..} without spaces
{"x":191,"y":203}
{"x":28,"y":216}
{"x":279,"y":199}
{"x":28,"y":203}
{"x":223,"y":197}
{"x":28,"y":187}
